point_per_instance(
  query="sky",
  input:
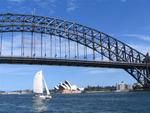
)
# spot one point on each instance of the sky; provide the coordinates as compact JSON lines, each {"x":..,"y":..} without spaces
{"x":126,"y":20}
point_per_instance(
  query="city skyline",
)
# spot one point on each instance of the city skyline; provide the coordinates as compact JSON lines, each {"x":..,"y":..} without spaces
{"x":125,"y":20}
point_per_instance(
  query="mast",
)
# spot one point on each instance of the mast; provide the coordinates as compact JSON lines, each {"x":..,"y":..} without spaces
{"x":47,"y":90}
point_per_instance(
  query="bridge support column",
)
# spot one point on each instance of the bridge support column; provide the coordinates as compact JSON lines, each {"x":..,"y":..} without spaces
{"x":146,"y":82}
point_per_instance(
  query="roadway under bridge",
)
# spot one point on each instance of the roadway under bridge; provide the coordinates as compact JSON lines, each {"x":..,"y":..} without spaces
{"x":71,"y":62}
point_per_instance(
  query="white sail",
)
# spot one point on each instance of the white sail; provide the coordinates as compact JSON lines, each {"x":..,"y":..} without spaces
{"x":47,"y":90}
{"x":38,"y":83}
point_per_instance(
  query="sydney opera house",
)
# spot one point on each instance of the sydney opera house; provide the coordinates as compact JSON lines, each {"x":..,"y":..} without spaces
{"x":66,"y":87}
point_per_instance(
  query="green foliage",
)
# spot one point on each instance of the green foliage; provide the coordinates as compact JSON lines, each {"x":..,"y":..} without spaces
{"x":100,"y":88}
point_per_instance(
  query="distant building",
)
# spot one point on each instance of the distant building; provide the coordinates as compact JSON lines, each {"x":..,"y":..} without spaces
{"x":137,"y":86}
{"x":123,"y":87}
{"x":66,"y":87}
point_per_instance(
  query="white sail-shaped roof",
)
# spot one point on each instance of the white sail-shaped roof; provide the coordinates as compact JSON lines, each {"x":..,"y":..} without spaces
{"x":66,"y":85}
{"x":63,"y":86}
{"x":66,"y":82}
{"x":74,"y":87}
{"x":38,"y":83}
{"x":56,"y":87}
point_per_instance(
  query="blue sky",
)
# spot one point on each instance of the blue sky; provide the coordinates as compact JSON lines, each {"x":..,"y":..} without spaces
{"x":126,"y":20}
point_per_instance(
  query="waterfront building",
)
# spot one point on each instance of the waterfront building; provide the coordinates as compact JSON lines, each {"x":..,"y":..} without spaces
{"x":123,"y":87}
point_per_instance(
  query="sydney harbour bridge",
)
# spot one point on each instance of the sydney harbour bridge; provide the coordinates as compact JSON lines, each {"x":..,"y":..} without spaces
{"x":31,"y":39}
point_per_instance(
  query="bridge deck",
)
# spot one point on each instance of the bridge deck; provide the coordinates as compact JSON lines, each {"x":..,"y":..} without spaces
{"x":73,"y":62}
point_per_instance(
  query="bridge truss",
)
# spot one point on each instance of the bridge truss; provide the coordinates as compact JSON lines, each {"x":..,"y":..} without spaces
{"x":31,"y":39}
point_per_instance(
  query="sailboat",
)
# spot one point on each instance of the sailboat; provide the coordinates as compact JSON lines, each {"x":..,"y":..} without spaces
{"x":38,"y":86}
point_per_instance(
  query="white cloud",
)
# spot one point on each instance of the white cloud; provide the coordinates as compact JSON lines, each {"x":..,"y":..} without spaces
{"x":111,"y":0}
{"x":100,"y":71}
{"x":123,"y":0}
{"x":16,"y":0}
{"x":16,"y":69}
{"x":45,"y":6}
{"x":32,"y":0}
{"x":142,"y":48}
{"x":71,"y":6}
{"x":139,"y":36}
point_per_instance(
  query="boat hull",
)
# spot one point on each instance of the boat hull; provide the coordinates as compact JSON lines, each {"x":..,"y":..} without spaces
{"x":43,"y":97}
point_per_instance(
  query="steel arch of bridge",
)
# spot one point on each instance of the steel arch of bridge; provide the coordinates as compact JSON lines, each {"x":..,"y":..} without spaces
{"x":115,"y":50}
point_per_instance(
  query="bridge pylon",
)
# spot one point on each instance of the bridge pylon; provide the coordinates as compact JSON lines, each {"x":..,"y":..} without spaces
{"x":147,"y":60}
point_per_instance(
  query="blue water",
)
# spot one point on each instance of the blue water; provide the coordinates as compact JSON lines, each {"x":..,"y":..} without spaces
{"x":133,"y":102}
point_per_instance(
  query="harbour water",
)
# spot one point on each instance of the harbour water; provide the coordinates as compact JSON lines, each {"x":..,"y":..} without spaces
{"x":128,"y":102}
